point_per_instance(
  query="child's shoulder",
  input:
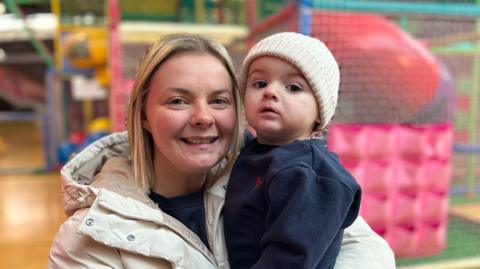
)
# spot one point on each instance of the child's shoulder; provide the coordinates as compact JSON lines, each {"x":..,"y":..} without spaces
{"x":313,"y":152}
{"x":312,"y":146}
{"x":299,"y":152}
{"x":305,"y":153}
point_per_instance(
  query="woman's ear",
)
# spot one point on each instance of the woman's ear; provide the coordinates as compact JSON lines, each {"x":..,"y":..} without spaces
{"x":146,"y":125}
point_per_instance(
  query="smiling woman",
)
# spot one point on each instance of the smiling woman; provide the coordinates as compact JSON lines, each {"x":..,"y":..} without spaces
{"x":191,"y":118}
{"x":183,"y":133}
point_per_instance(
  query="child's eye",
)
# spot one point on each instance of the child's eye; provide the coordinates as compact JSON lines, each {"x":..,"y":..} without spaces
{"x":260,"y":84}
{"x":294,"y":88}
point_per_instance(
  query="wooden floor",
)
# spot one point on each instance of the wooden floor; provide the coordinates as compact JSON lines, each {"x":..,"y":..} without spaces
{"x":469,"y":212}
{"x":30,"y":207}
{"x":20,"y":147}
{"x":30,"y":214}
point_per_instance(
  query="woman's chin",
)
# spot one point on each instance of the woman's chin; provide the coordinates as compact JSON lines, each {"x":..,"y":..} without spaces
{"x":201,"y":165}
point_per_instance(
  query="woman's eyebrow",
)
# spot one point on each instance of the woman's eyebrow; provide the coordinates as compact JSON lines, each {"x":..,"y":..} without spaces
{"x":179,"y":91}
{"x":221,"y":91}
{"x":183,"y":91}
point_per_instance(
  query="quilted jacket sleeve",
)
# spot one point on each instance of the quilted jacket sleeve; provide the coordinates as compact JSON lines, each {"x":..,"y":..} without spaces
{"x":73,"y":250}
{"x":363,"y":248}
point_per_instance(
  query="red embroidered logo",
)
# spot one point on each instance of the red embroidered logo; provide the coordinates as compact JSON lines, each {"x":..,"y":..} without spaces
{"x":258,"y":182}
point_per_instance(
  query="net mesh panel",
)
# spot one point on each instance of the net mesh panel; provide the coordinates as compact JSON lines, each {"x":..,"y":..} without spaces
{"x":387,"y":75}
{"x":427,"y":78}
{"x":285,"y":20}
{"x":451,"y":40}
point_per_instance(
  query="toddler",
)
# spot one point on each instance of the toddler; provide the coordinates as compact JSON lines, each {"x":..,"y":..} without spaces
{"x":288,"y":198}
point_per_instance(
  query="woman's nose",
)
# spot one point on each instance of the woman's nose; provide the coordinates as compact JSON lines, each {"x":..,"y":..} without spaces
{"x":202,"y":116}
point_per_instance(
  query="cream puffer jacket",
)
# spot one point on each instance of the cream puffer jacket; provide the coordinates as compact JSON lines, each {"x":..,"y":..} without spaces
{"x":113,"y":224}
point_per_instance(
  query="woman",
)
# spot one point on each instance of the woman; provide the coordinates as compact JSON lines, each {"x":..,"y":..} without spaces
{"x":184,"y":130}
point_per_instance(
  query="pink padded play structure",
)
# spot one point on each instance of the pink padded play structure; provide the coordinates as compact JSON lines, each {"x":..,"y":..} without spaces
{"x":404,"y":171}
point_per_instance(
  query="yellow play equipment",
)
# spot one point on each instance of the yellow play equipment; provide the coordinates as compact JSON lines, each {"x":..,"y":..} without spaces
{"x":86,"y":47}
{"x":101,"y":124}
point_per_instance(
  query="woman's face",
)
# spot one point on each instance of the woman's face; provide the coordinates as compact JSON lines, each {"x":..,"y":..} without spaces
{"x":190,"y":113}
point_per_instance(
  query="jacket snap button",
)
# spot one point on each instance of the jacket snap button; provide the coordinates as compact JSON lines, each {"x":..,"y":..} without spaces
{"x":131,"y":237}
{"x":89,"y":222}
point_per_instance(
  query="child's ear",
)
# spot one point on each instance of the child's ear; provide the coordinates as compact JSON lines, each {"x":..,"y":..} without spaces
{"x":317,"y":123}
{"x":315,"y":127}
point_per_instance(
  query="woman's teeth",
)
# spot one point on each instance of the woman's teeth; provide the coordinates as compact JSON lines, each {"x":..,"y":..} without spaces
{"x":200,"y":140}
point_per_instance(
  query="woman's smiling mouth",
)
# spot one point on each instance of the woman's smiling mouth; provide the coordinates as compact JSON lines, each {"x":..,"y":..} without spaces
{"x":200,"y":140}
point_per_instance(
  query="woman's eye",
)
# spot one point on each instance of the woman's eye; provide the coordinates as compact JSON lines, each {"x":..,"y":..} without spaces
{"x":176,"y":101}
{"x":221,"y":101}
{"x":294,"y":88}
{"x":260,"y":84}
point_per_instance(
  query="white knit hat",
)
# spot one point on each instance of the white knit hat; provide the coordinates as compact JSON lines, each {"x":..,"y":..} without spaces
{"x":311,"y":57}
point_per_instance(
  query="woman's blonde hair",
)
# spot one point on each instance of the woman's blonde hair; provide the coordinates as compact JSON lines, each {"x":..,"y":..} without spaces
{"x":141,"y":141}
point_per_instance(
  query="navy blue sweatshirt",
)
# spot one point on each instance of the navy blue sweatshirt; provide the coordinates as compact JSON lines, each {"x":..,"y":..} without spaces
{"x":286,"y":206}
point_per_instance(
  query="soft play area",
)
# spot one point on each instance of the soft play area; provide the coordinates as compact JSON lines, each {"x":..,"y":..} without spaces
{"x":407,"y":125}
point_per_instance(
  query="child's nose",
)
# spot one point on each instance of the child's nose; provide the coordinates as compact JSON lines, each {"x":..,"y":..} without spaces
{"x":270,"y":92}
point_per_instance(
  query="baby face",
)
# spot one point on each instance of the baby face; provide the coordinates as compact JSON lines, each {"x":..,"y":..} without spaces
{"x":279,"y":102}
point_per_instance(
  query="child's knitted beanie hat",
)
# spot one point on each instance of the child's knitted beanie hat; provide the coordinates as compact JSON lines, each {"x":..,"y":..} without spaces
{"x":311,"y":57}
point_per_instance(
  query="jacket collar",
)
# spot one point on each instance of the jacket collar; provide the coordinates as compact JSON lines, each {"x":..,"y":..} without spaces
{"x":79,"y":173}
{"x":86,"y":164}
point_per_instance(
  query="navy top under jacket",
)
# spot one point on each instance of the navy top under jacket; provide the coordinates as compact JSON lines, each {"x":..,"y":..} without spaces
{"x":188,"y":209}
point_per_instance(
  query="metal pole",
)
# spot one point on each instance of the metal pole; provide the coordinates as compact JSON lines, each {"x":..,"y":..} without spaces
{"x":473,"y":122}
{"x":407,"y":7}
{"x":305,"y":16}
